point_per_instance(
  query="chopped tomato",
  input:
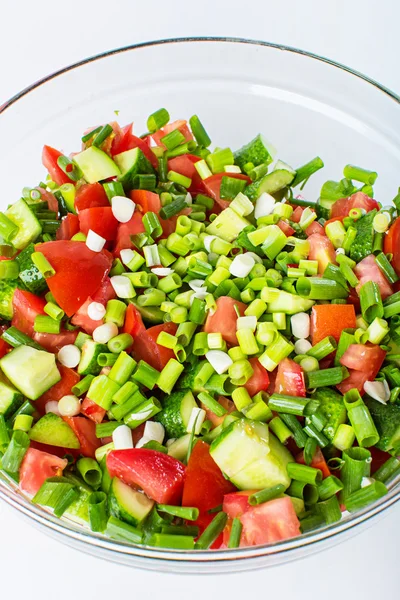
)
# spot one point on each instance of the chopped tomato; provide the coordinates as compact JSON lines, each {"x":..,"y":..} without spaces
{"x":270,"y":522}
{"x":85,"y":431}
{"x":318,"y":462}
{"x":213,"y":185}
{"x":392,"y":244}
{"x":68,"y":228}
{"x":63,"y":388}
{"x":3,"y":348}
{"x":103,"y":295}
{"x":49,"y":160}
{"x":363,"y":362}
{"x":342,"y":207}
{"x":215,"y":420}
{"x":53,"y":342}
{"x":125,"y":230}
{"x":285,"y":227}
{"x":236,"y":504}
{"x":322,"y":250}
{"x":368,"y":270}
{"x":145,"y":346}
{"x":204,"y":485}
{"x":90,"y":195}
{"x":93,"y":411}
{"x":149,"y":201}
{"x":378,"y":458}
{"x":296,"y":214}
{"x":315,"y":227}
{"x":50,"y":199}
{"x":133,"y":322}
{"x":330,"y":320}
{"x":224,"y":319}
{"x":259,"y":381}
{"x":180,"y":124}
{"x":101,"y":220}
{"x":26,"y":307}
{"x":159,"y":475}
{"x":185,"y":166}
{"x":127,"y":141}
{"x":290,"y":379}
{"x":79,"y":272}
{"x":36,"y":467}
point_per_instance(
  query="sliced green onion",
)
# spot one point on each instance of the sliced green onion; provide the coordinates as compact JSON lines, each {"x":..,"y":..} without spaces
{"x":360,"y":419}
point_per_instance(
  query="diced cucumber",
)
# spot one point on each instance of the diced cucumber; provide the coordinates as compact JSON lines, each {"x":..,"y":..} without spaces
{"x":29,"y":274}
{"x":387,"y":420}
{"x":131,"y":163}
{"x":10,"y":398}
{"x":78,"y":510}
{"x":88,"y":364}
{"x":333,"y":409}
{"x":29,"y":227}
{"x":127,"y":504}
{"x":96,"y":165}
{"x":32,"y":371}
{"x":239,"y":445}
{"x":52,"y":430}
{"x":175,"y":415}
{"x":266,"y":471}
{"x":280,"y":165}
{"x":363,"y":244}
{"x":7,"y":289}
{"x":227,"y":225}
{"x":270,"y":183}
{"x":179,"y":448}
{"x":258,"y":151}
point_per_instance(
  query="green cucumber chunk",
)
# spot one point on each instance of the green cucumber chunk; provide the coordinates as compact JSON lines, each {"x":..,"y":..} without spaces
{"x":29,"y":226}
{"x":175,"y":415}
{"x":10,"y":398}
{"x":258,"y":151}
{"x":363,"y":244}
{"x":90,"y":351}
{"x":270,"y":183}
{"x":29,"y":274}
{"x":387,"y":420}
{"x":333,"y":409}
{"x":52,"y":430}
{"x":127,"y":504}
{"x":7,"y":289}
{"x":131,"y":163}
{"x":96,"y":165}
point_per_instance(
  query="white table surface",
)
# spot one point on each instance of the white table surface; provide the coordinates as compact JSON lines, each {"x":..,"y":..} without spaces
{"x":40,"y":37}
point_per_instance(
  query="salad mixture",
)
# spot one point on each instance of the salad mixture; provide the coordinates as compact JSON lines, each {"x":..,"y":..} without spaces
{"x":192,"y":355}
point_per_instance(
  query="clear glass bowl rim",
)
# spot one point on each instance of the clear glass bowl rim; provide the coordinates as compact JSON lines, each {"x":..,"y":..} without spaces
{"x":84,"y":536}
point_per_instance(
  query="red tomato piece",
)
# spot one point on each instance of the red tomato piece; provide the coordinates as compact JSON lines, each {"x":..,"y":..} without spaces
{"x":148,"y":201}
{"x":215,"y":420}
{"x":133,"y":322}
{"x":290,"y":379}
{"x":392,"y":244}
{"x":270,"y":522}
{"x":68,"y":228}
{"x":50,"y":199}
{"x":213,"y":186}
{"x":342,"y":207}
{"x":49,"y":160}
{"x":125,"y":140}
{"x":180,"y":124}
{"x":103,"y":295}
{"x":331,"y":319}
{"x":318,"y":462}
{"x":296,"y":214}
{"x":125,"y":230}
{"x":259,"y":381}
{"x":185,"y":166}
{"x":368,"y":270}
{"x":101,"y":220}
{"x":26,"y":307}
{"x":93,"y":411}
{"x":236,"y":504}
{"x":315,"y":227}
{"x":159,"y":475}
{"x":3,"y":348}
{"x":63,"y":388}
{"x":224,"y":319}
{"x":204,"y":485}
{"x":90,"y":195}
{"x":85,"y":431}
{"x":363,"y":362}
{"x":145,"y":346}
{"x":285,"y":227}
{"x":53,"y":342}
{"x":322,"y":250}
{"x":36,"y":467}
{"x":79,"y":272}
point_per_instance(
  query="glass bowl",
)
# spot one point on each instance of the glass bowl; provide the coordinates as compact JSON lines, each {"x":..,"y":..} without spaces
{"x":305,"y":105}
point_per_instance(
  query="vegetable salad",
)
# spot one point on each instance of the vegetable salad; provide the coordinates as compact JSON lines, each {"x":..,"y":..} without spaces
{"x":192,"y":355}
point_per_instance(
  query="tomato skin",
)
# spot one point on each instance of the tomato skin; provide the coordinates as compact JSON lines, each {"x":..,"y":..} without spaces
{"x":330,"y":320}
{"x":285,"y":227}
{"x":368,"y":270}
{"x":103,"y":295}
{"x":363,"y":362}
{"x":322,"y":250}
{"x":392,"y":244}
{"x":236,"y":504}
{"x":133,"y":321}
{"x":26,"y":307}
{"x":215,"y":420}
{"x":101,"y":220}
{"x":92,"y":411}
{"x":50,"y":199}
{"x":290,"y":379}
{"x":259,"y":381}
{"x":148,"y":201}
{"x":159,"y":475}
{"x":145,"y":346}
{"x":125,"y":230}
{"x":68,"y":228}
{"x":318,"y":462}
{"x":224,"y":319}
{"x":270,"y":522}
{"x":3,"y":348}
{"x":49,"y":160}
{"x":36,"y":467}
{"x":125,"y":140}
{"x":315,"y":227}
{"x":63,"y":388}
{"x":342,"y":207}
{"x":213,"y":186}
{"x":296,"y":215}
{"x":90,"y":195}
{"x":85,"y":431}
{"x":79,"y":272}
{"x":53,"y":342}
{"x":185,"y":166}
{"x":180,"y":124}
{"x":204,"y":485}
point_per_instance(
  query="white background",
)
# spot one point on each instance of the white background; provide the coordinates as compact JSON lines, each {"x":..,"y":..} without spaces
{"x":39,"y":37}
